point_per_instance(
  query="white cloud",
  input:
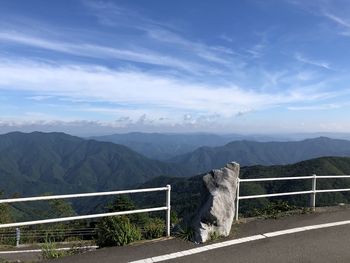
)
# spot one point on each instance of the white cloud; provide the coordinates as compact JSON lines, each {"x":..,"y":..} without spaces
{"x":97,"y":51}
{"x":314,"y":107}
{"x":133,"y":90}
{"x":114,"y":15}
{"x":337,"y":19}
{"x":321,"y":64}
{"x":226,"y":38}
{"x":39,"y":98}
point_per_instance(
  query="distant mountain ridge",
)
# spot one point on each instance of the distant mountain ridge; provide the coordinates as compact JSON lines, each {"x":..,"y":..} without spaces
{"x":265,"y":153}
{"x":35,"y":163}
{"x":163,"y":146}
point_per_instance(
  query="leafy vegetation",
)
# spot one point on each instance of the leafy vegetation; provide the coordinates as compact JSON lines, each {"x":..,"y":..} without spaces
{"x":274,"y":210}
{"x":186,"y":191}
{"x":185,"y":232}
{"x":49,"y":251}
{"x":214,"y":236}
{"x":116,"y":231}
{"x":122,"y":230}
{"x":154,"y":228}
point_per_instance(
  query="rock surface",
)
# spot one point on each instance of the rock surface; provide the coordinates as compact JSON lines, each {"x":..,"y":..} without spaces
{"x":215,"y":215}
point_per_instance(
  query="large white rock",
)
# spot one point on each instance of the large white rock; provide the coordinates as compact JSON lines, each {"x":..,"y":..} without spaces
{"x":216,"y":213}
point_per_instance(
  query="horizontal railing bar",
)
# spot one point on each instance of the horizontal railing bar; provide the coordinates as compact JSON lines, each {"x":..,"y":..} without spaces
{"x":63,"y":219}
{"x":293,"y":178}
{"x":272,"y":195}
{"x":275,"y":179}
{"x":332,"y":176}
{"x":332,"y":190}
{"x":55,"y":197}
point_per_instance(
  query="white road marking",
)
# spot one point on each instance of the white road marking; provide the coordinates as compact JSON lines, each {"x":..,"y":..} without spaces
{"x":192,"y":251}
{"x":40,"y":250}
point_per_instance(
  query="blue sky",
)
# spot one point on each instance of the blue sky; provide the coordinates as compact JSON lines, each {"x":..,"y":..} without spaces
{"x":273,"y":66}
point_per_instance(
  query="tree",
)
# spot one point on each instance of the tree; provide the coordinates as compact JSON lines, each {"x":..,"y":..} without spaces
{"x":5,"y":214}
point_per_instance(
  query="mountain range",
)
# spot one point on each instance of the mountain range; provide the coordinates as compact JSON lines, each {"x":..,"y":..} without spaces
{"x":163,"y":146}
{"x":264,"y":153}
{"x":35,"y":163}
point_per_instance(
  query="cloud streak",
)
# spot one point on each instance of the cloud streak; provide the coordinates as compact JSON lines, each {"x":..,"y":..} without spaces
{"x":134,"y":89}
{"x":321,"y":64}
{"x":98,"y":51}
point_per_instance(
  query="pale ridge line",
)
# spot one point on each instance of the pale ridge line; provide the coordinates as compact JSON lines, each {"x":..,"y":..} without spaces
{"x":192,"y":251}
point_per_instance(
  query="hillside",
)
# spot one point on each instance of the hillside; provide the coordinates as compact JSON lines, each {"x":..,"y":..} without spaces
{"x":36,"y":163}
{"x":164,"y":146}
{"x":264,"y":153}
{"x":186,"y":191}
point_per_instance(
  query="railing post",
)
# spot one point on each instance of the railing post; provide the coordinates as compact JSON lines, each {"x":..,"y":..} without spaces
{"x":168,"y":210}
{"x":237,"y":199}
{"x":18,"y":236}
{"x":313,"y":194}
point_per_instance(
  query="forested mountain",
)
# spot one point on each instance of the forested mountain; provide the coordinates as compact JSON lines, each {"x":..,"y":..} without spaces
{"x":186,"y":191}
{"x":164,"y":146}
{"x":35,"y":163}
{"x":264,"y":153}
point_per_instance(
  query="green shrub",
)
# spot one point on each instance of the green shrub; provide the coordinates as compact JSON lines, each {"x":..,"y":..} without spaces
{"x":214,"y":236}
{"x":275,"y":210}
{"x":185,"y":233}
{"x":116,"y":231}
{"x":154,"y":228}
{"x":49,"y":251}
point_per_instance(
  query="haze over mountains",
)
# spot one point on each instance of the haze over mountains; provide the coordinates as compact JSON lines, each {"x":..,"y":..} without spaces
{"x":35,"y":163}
{"x":265,"y":153}
{"x":163,"y":146}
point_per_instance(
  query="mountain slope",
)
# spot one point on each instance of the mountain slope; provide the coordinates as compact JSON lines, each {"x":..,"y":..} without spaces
{"x":186,"y":191}
{"x":164,"y":146}
{"x":265,"y":153}
{"x":37,"y":162}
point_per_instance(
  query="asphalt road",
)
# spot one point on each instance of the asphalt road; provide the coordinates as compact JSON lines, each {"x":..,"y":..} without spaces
{"x":327,"y":245}
{"x":322,"y":245}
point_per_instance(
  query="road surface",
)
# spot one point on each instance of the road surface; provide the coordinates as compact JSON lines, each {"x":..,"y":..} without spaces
{"x":331,"y":244}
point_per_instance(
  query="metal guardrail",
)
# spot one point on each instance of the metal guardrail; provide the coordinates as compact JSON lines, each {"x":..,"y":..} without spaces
{"x":72,"y":218}
{"x":312,"y":192}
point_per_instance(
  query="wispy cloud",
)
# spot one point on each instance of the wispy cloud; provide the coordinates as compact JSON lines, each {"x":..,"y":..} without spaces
{"x":97,"y":51}
{"x":321,"y":64}
{"x":40,"y":98}
{"x":315,"y":107}
{"x":337,"y":19}
{"x":226,"y":38}
{"x":127,"y":69}
{"x":151,"y":92}
{"x":343,"y":23}
{"x":110,"y":14}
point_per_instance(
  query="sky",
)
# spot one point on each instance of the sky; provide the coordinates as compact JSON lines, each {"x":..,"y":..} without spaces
{"x":99,"y":67}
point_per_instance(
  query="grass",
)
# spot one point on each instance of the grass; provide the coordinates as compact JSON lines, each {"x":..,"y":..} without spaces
{"x":185,"y":233}
{"x":280,"y":209}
